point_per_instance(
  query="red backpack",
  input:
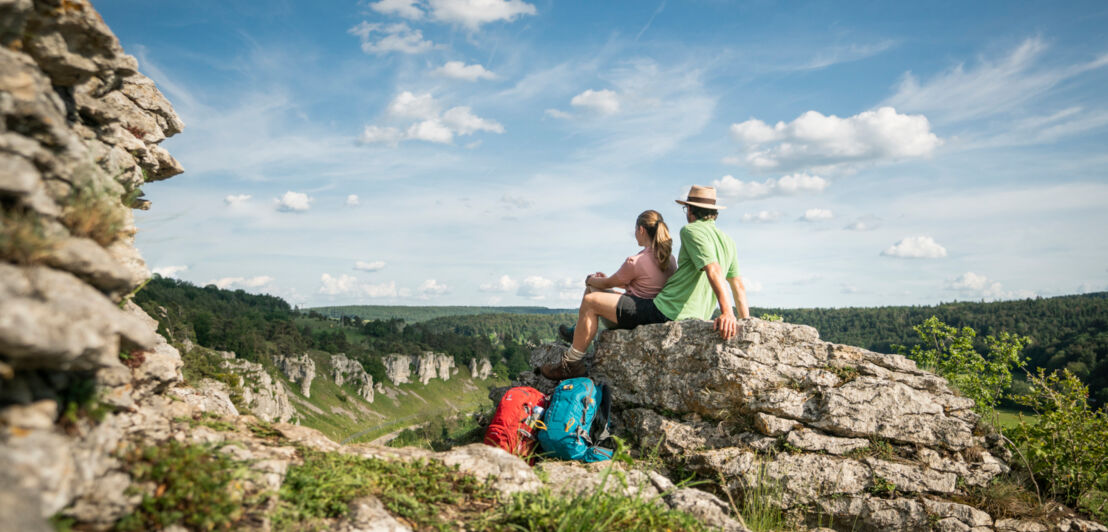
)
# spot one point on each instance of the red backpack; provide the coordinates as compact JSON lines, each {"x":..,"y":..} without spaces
{"x":512,"y":426}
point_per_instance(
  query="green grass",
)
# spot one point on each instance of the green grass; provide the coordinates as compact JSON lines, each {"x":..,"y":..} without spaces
{"x":1009,"y":418}
{"x":599,"y":511}
{"x":427,"y":494}
{"x":191,"y":486}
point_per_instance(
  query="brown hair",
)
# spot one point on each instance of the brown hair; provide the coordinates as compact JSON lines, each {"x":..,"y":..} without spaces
{"x":660,"y":240}
{"x":700,"y":213}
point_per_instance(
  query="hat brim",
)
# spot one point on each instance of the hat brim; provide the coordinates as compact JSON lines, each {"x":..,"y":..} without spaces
{"x":701,"y":205}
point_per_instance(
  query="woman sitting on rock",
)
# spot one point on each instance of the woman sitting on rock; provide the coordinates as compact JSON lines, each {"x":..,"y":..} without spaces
{"x":642,"y":275}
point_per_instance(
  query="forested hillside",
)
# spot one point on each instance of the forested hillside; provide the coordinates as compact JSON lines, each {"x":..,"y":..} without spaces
{"x":416,"y":314}
{"x":1066,"y":332}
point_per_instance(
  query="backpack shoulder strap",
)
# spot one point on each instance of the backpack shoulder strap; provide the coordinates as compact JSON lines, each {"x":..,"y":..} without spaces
{"x":599,"y":430}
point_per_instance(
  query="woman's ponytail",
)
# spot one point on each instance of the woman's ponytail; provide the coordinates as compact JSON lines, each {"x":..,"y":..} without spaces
{"x":660,"y":238}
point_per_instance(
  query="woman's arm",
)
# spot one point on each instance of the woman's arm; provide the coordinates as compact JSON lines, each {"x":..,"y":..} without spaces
{"x":600,"y":282}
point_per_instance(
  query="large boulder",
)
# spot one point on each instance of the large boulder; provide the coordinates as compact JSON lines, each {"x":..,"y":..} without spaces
{"x":830,"y":430}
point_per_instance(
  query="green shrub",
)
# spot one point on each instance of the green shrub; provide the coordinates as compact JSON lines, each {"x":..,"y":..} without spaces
{"x":23,"y":239}
{"x":191,"y":488}
{"x":95,"y":212}
{"x":601,"y":510}
{"x":950,"y":352}
{"x":1067,"y":448}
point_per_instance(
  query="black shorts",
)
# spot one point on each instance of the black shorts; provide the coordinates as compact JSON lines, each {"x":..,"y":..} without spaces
{"x":633,"y":311}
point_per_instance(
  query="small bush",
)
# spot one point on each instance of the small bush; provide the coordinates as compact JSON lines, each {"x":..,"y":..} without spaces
{"x":771,"y":317}
{"x":95,"y":212}
{"x":191,"y":488}
{"x":23,"y":239}
{"x":950,"y":353}
{"x":1067,"y":448}
{"x":599,"y":511}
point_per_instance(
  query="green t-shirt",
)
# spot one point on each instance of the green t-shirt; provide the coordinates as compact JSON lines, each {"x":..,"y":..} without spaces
{"x":688,"y":294}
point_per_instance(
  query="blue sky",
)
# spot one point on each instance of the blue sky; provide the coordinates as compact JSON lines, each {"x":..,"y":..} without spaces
{"x":496,"y":151}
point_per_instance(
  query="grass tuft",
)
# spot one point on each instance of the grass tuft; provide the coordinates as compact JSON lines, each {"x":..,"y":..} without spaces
{"x":23,"y":238}
{"x":95,"y":212}
{"x":191,"y":488}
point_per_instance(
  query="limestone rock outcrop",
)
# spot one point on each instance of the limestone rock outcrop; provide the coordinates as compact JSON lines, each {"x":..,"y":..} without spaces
{"x":843,"y":432}
{"x":398,"y":368}
{"x":402,"y":369}
{"x":432,"y":365}
{"x":480,"y":369}
{"x":299,"y":369}
{"x":264,"y":397}
{"x":344,"y":370}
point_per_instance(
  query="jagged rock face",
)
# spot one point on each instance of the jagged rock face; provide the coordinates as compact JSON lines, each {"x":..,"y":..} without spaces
{"x":261,"y":395}
{"x":829,"y":425}
{"x":398,"y":368}
{"x":299,"y":369}
{"x":344,"y":370}
{"x":480,"y":370}
{"x":431,"y":365}
{"x":79,"y":130}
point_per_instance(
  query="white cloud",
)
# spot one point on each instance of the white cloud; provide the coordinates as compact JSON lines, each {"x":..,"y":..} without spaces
{"x":431,"y":127}
{"x":555,"y":113}
{"x":431,"y":131}
{"x":350,"y":285}
{"x":392,"y":38}
{"x":352,"y":200}
{"x":431,"y":287}
{"x":374,"y":266}
{"x":462,"y":121}
{"x":731,"y":188}
{"x":816,"y":140}
{"x":518,"y":202}
{"x":978,"y":286}
{"x":473,"y":13}
{"x":604,"y":102}
{"x":991,"y":87}
{"x":865,"y":223}
{"x":382,"y":290}
{"x":169,"y":271}
{"x":410,"y":105}
{"x":460,"y":70}
{"x":235,"y":200}
{"x":245,"y":282}
{"x":916,"y":247}
{"x":408,"y":9}
{"x":534,"y":287}
{"x":503,"y":284}
{"x":761,"y":217}
{"x":294,"y":202}
{"x":1087,"y":287}
{"x":381,"y":135}
{"x":817,"y":215}
{"x":752,"y":287}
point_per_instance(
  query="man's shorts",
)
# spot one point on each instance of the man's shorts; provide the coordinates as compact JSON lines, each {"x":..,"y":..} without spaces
{"x":633,"y":311}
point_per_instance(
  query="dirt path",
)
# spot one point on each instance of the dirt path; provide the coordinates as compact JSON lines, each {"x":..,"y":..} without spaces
{"x":392,"y":435}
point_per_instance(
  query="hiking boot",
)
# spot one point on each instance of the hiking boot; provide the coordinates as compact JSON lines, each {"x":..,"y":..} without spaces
{"x":563,"y":370}
{"x":566,"y":333}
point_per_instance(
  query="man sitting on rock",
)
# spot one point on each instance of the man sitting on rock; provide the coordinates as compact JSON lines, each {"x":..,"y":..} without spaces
{"x":705,"y":264}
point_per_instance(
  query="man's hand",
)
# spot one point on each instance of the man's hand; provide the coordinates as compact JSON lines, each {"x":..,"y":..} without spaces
{"x":727,"y":326}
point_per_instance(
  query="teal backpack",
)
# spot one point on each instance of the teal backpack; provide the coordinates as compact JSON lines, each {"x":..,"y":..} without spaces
{"x":576,"y":420}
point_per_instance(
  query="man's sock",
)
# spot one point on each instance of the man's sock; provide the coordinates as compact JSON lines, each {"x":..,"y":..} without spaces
{"x":573,"y":355}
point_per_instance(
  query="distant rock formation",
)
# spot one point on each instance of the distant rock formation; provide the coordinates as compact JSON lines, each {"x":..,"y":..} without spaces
{"x":299,"y":369}
{"x":432,"y":365}
{"x":402,"y":369}
{"x":398,"y":368}
{"x":480,"y":370}
{"x":344,"y":370}
{"x":262,"y":396}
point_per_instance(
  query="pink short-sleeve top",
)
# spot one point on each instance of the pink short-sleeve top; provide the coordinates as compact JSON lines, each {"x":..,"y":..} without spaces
{"x":641,"y":275}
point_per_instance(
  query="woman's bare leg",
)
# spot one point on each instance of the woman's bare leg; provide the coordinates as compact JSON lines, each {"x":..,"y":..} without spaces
{"x":594,"y":306}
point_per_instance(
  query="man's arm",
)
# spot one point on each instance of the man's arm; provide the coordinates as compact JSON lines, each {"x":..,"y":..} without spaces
{"x":739,"y":290}
{"x":726,"y":323}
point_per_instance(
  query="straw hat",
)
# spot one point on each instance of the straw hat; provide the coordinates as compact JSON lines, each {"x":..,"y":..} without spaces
{"x":703,"y":197}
